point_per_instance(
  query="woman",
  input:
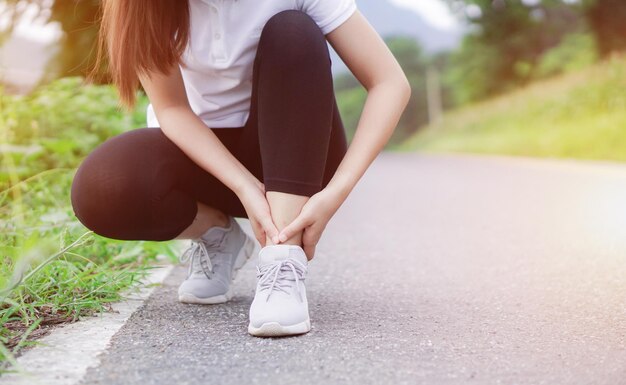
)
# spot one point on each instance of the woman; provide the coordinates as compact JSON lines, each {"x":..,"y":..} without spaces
{"x":243,"y":122}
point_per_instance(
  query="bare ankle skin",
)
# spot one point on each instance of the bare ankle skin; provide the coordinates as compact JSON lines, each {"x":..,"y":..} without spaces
{"x":206,"y":218}
{"x":285,"y":208}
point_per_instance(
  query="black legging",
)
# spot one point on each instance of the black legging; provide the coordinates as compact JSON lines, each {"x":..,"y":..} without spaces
{"x":139,"y":185}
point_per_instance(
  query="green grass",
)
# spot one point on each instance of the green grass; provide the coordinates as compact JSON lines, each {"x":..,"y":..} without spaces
{"x":578,"y":115}
{"x":52,"y":269}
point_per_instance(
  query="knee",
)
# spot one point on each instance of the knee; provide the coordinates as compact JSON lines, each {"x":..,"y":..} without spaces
{"x":93,"y":195}
{"x":292,"y":35}
{"x":292,"y":21}
{"x":84,"y":197}
{"x":99,"y":193}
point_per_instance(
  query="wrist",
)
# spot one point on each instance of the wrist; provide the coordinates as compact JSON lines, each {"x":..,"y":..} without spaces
{"x":245,"y":183}
{"x":339,"y":189}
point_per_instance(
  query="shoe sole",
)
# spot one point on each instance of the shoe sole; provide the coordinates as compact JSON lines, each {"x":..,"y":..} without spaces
{"x":244,"y":255}
{"x":274,"y":329}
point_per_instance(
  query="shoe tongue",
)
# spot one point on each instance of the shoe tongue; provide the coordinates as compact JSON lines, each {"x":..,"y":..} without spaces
{"x":216,"y":234}
{"x":274,"y":253}
{"x":213,"y":236}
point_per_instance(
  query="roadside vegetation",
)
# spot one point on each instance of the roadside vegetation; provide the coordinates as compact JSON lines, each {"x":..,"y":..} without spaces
{"x":53,"y":269}
{"x":577,"y":115}
{"x":537,"y":78}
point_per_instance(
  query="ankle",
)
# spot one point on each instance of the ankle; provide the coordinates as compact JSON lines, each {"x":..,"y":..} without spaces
{"x":295,"y":240}
{"x":220,"y":219}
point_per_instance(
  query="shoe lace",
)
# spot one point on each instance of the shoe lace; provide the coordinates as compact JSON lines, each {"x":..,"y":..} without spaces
{"x":199,"y":256}
{"x":278,"y":276}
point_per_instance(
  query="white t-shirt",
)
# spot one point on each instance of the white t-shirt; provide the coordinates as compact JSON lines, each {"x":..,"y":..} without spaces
{"x":224,"y":35}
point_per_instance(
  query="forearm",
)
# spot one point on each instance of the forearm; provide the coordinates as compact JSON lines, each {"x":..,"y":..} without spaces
{"x":381,"y":112}
{"x":200,"y":144}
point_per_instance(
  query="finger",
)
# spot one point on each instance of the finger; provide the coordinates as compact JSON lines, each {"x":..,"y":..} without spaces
{"x":295,"y":227}
{"x":309,"y":241}
{"x":270,"y":229}
{"x":262,"y":240}
{"x":309,"y":250}
{"x":259,"y":234}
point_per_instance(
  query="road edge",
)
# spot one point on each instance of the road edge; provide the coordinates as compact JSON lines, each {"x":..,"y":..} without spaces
{"x":80,"y":344}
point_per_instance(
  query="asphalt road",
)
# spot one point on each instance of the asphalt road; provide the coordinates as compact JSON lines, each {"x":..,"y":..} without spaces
{"x":437,"y":270}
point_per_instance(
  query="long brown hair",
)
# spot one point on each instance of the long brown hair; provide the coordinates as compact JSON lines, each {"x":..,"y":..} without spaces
{"x":141,"y":36}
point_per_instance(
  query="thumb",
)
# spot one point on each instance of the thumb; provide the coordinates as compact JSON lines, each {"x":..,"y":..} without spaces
{"x":309,"y":250}
{"x":258,"y":231}
{"x":295,"y":227}
{"x":270,"y":229}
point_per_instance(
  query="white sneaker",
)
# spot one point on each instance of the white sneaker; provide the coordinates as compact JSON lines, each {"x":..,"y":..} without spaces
{"x":280,"y":306}
{"x":215,"y":256}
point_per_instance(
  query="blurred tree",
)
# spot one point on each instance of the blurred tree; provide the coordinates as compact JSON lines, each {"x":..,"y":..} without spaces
{"x":78,"y":20}
{"x":607,"y":19}
{"x":507,"y":40}
{"x":12,"y":11}
{"x":575,"y":52}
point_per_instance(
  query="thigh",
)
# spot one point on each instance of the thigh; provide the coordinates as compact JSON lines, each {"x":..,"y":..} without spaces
{"x":148,"y":166}
{"x":144,"y":159}
{"x":132,"y":183}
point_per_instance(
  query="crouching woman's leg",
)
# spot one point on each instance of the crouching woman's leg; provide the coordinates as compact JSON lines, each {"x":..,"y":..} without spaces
{"x":138,"y":185}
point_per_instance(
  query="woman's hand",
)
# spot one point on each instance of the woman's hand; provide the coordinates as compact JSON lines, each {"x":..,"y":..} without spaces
{"x":312,"y":219}
{"x":258,"y":209}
